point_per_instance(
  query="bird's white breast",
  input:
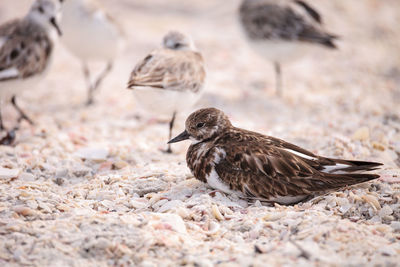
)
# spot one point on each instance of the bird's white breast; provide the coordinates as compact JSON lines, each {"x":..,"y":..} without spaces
{"x":90,"y":36}
{"x":162,"y":102}
{"x":215,"y":182}
{"x":280,"y":50}
{"x":213,"y":179}
{"x":15,"y":86}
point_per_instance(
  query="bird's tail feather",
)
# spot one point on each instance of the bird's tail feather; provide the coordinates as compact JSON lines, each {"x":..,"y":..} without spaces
{"x":329,"y":41}
{"x":336,"y":181}
{"x":349,"y":166}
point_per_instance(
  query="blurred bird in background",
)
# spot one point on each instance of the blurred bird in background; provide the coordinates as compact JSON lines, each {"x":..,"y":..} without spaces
{"x":170,"y":79}
{"x":283,"y":30}
{"x":26,"y":49}
{"x":92,"y":35}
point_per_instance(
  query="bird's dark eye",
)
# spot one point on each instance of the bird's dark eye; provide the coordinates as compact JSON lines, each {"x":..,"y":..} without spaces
{"x":200,"y":124}
{"x":41,"y":10}
{"x":61,"y":1}
{"x":177,"y":45}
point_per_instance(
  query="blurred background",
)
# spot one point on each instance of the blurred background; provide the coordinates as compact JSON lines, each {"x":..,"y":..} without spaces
{"x":325,"y":93}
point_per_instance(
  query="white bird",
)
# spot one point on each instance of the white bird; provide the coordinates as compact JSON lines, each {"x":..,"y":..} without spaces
{"x":26,"y":49}
{"x":91,"y":34}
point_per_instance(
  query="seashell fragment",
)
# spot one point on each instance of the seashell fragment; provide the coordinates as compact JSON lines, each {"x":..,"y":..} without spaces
{"x":373,"y":201}
{"x":24,"y":211}
{"x":217,"y":214}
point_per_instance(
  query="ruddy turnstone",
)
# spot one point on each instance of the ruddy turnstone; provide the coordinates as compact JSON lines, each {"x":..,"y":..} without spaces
{"x":26,"y":48}
{"x":91,"y":35}
{"x":257,"y":166}
{"x":170,"y":79}
{"x":282,"y":30}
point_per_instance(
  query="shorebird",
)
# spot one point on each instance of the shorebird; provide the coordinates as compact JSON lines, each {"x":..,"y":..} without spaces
{"x":170,"y":79}
{"x":259,"y":167}
{"x":26,"y":49}
{"x":283,"y":30}
{"x":92,"y":35}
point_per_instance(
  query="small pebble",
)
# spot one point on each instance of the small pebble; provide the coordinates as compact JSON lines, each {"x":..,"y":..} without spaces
{"x":7,"y":174}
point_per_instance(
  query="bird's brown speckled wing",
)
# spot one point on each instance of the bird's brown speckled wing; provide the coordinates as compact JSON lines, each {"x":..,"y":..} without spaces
{"x":24,"y":50}
{"x":170,"y":70}
{"x":262,"y":167}
{"x":272,"y":20}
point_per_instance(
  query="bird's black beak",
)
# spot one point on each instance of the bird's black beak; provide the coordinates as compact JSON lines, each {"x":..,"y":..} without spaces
{"x":54,"y":23}
{"x":183,"y":136}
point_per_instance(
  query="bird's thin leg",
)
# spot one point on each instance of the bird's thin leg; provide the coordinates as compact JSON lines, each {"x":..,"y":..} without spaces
{"x":1,"y":122}
{"x":278,"y":75}
{"x":98,"y":82}
{"x":171,"y":125}
{"x":86,"y":73}
{"x":22,"y":115}
{"x":10,"y":135}
{"x":103,"y":74}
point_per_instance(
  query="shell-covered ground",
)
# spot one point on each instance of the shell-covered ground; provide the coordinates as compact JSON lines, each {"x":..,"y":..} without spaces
{"x":90,"y":186}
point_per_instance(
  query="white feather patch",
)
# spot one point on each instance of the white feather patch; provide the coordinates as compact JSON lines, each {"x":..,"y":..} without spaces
{"x":299,"y":154}
{"x":200,"y":153}
{"x":219,"y":154}
{"x":9,"y":73}
{"x":287,"y":199}
{"x":215,"y":182}
{"x":100,"y":15}
{"x":194,"y":141}
{"x":213,"y":178}
{"x":333,"y":168}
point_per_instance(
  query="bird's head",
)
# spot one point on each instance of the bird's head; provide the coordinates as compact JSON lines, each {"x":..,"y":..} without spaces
{"x":47,"y":13}
{"x":177,"y":41}
{"x":204,"y":124}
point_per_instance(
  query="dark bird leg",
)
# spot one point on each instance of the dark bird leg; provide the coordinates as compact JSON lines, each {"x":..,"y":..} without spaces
{"x":10,"y":135}
{"x":86,"y":73}
{"x":102,"y":75}
{"x":1,"y":123}
{"x":93,"y":87}
{"x":9,"y":138}
{"x":22,"y":115}
{"x":278,"y":80}
{"x":171,"y":125}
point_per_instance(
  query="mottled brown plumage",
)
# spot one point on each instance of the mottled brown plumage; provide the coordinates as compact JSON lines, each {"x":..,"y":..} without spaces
{"x":175,"y":66}
{"x":262,"y":167}
{"x":288,"y":20}
{"x":283,"y":30}
{"x":26,"y":44}
{"x":170,"y":79}
{"x":26,"y":47}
